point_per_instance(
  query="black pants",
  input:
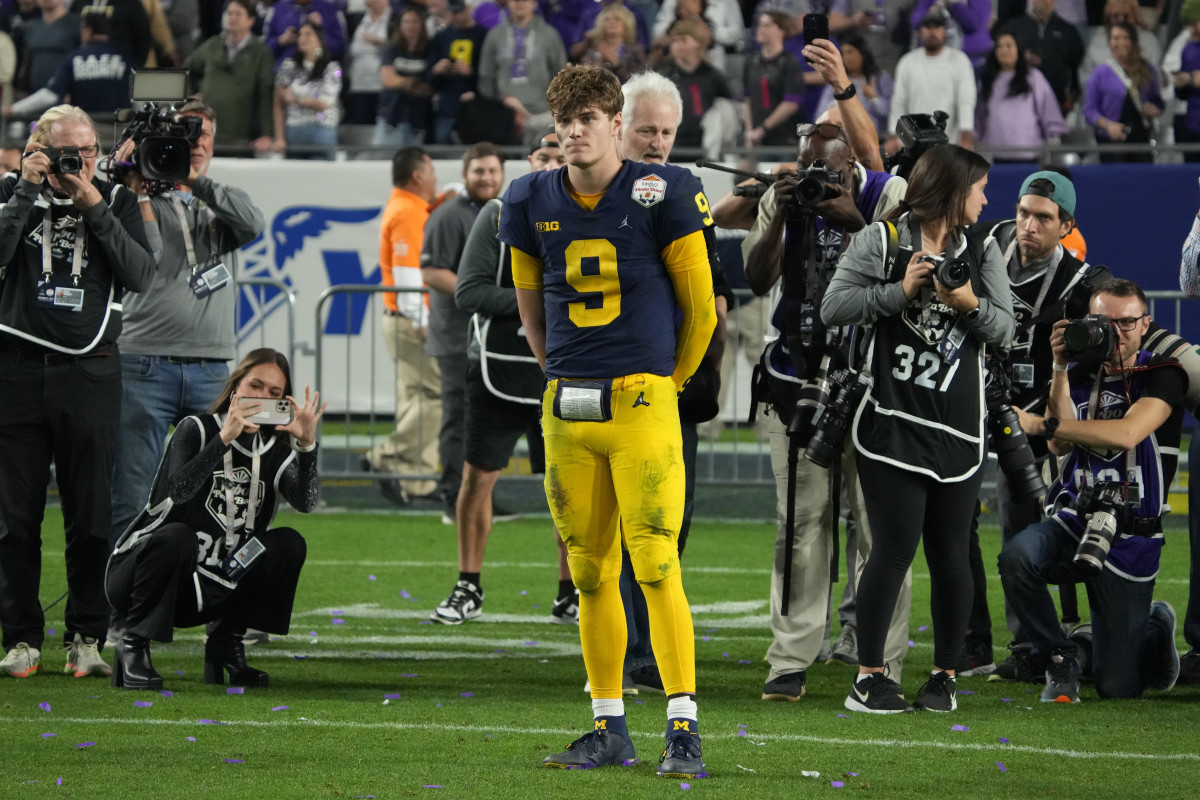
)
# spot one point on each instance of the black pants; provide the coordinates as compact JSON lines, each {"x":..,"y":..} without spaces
{"x":905,"y":508}
{"x":452,"y":435}
{"x":66,"y":411}
{"x":152,"y":586}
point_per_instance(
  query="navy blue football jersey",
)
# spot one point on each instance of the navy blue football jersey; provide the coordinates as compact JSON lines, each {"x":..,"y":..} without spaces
{"x":610,"y":305}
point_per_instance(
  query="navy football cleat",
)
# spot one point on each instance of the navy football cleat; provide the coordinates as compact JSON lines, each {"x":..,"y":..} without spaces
{"x":598,"y":748}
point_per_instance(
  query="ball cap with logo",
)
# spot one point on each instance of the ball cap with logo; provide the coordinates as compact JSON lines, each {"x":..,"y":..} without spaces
{"x":1063,"y":192}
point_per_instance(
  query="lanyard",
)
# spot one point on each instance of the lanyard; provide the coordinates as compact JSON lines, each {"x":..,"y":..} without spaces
{"x":251,"y":499}
{"x":47,"y":247}
{"x":188,"y":245}
{"x":1047,"y":279}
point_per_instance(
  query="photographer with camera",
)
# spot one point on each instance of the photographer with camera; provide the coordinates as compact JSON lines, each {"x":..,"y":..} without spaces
{"x":1116,"y":412}
{"x":930,"y":297}
{"x":179,"y":333}
{"x":203,"y":549}
{"x":836,"y":195}
{"x":70,"y":246}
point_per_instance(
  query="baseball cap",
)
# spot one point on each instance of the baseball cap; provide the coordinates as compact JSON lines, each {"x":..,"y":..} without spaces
{"x":1063,"y":192}
{"x":545,"y":141}
{"x":934,"y":17}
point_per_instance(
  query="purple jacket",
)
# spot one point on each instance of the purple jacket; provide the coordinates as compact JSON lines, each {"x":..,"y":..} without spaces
{"x":289,"y":14}
{"x":1026,"y":120}
{"x":1105,"y":96}
{"x":972,"y":17}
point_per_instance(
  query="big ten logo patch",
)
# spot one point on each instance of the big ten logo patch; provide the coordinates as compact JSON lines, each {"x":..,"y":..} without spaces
{"x":217,"y":503}
{"x":544,"y":227}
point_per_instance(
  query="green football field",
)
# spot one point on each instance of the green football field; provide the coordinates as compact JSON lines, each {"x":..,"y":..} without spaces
{"x":368,"y":701}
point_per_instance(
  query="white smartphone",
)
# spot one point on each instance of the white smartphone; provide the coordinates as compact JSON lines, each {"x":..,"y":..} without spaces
{"x":274,"y":412}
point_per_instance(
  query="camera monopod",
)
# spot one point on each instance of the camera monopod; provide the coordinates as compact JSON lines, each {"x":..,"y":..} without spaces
{"x":755,"y":190}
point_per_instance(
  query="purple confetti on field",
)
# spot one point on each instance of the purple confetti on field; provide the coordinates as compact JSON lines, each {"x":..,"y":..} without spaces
{"x":467,"y":694}
{"x":425,"y":622}
{"x":409,"y":675}
{"x":300,"y":658}
{"x":209,"y":722}
{"x":178,"y":672}
{"x":724,"y":655}
{"x":843,"y":716}
{"x":959,"y":728}
{"x":50,"y":631}
{"x":142,"y":703}
{"x":391,"y":697}
{"x":1005,"y":700}
{"x":44,"y":707}
{"x":535,"y":605}
{"x":167,"y":693}
{"x":852,"y":774}
{"x":911,"y":643}
{"x":1002,"y":767}
{"x":191,"y":738}
{"x":743,"y":661}
{"x":712,"y":630}
{"x":523,"y":593}
{"x":685,"y":786}
{"x":236,"y":690}
{"x":1003,"y":740}
{"x":432,"y":786}
{"x":338,"y":613}
{"x":836,"y":784}
{"x":337,"y":621}
{"x":404,"y":593}
{"x":640,"y":702}
{"x":234,"y":761}
{"x":48,"y":735}
{"x":965,"y":691}
{"x":58,"y":782}
{"x":704,"y":638}
{"x":531,"y":644}
{"x":86,"y":744}
{"x":371,"y":577}
{"x":922,"y":629}
{"x":439,"y":705}
{"x":312,"y":633}
{"x":280,"y":708}
{"x":741,"y":733}
{"x":500,"y":651}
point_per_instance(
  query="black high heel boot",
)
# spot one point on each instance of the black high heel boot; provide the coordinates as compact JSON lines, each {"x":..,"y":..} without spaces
{"x":224,"y":652}
{"x":131,"y":665}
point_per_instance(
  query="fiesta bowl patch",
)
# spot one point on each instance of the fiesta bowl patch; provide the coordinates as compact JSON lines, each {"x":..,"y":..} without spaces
{"x":649,"y":190}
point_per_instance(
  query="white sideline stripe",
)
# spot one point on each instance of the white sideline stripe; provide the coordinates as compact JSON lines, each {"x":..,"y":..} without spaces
{"x":387,"y":655}
{"x":766,"y":737}
{"x":374,"y":611}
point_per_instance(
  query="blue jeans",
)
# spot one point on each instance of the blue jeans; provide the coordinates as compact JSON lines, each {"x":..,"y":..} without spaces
{"x":1125,"y":646}
{"x":443,"y":128}
{"x":157,"y":394}
{"x":399,"y":135}
{"x":312,"y":133}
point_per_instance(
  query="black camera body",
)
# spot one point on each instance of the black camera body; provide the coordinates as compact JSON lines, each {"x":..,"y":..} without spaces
{"x":953,"y":273}
{"x":918,"y":133}
{"x":1106,"y":502}
{"x":64,"y":160}
{"x":1091,"y":338}
{"x":163,"y":143}
{"x":815,"y":185}
{"x":1008,"y":441}
{"x":847,"y":390}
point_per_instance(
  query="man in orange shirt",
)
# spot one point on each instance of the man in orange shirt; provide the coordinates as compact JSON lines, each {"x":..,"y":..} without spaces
{"x":411,"y":449}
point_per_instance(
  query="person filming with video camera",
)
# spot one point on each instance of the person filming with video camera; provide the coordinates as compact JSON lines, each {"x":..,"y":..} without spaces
{"x":1115,"y":411}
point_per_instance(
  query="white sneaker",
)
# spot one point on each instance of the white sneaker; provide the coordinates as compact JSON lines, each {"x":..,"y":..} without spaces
{"x":22,"y":661}
{"x":83,"y":659}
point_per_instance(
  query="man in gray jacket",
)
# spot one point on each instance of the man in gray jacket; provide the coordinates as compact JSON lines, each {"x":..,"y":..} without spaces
{"x":520,"y":57}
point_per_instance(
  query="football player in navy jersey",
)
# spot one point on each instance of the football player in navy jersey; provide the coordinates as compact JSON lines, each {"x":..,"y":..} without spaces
{"x":1119,"y":425}
{"x":604,"y":252}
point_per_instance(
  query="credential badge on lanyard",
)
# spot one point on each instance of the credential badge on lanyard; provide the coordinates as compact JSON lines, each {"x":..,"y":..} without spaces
{"x":51,"y":297}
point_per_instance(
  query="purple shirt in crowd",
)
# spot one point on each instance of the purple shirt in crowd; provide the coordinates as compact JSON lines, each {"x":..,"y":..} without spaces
{"x":1105,"y":96}
{"x":1026,"y":120}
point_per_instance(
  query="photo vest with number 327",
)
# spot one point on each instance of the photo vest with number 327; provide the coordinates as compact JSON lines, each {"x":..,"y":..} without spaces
{"x":924,"y":413}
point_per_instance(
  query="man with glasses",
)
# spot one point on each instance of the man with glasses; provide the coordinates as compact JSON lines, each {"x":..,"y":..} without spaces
{"x":1119,"y":425}
{"x":71,"y":247}
{"x":789,"y":365}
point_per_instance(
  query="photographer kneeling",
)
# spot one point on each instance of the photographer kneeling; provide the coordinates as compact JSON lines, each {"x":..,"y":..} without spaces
{"x":202,"y":549}
{"x":1119,"y":425}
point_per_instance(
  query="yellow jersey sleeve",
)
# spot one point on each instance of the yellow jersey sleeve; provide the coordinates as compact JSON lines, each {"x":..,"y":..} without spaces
{"x":686,"y":253}
{"x":694,"y":294}
{"x":527,"y":270}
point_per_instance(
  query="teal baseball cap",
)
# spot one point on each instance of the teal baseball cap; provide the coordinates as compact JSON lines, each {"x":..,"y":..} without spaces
{"x":1063,"y":191}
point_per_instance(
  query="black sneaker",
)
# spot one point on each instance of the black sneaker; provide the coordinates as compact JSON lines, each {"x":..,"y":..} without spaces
{"x":390,"y":488}
{"x":450,"y":514}
{"x":566,"y":609}
{"x":502,"y":514}
{"x":845,"y":649}
{"x":1081,"y":635}
{"x":877,"y":694}
{"x":939,"y":693}
{"x":1062,"y":680}
{"x":1162,"y":615}
{"x":600,"y":748}
{"x":647,"y":678}
{"x":1021,"y":666}
{"x":1189,"y":668}
{"x":789,"y":687}
{"x":464,"y":603}
{"x":681,"y":757}
{"x":975,"y":659}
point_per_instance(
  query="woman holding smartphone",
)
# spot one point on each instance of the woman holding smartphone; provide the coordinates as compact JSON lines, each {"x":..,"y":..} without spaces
{"x":919,"y":431}
{"x":187,"y":560}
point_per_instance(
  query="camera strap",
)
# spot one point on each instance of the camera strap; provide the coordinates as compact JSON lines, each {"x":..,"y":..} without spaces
{"x":1133,"y":491}
{"x":48,"y":242}
{"x":230,"y":496}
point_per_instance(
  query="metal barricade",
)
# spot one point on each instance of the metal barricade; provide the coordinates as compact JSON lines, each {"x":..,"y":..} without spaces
{"x":290,"y":306}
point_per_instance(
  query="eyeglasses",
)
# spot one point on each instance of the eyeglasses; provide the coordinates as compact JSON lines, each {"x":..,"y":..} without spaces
{"x":1128,"y":323}
{"x":826,"y":130}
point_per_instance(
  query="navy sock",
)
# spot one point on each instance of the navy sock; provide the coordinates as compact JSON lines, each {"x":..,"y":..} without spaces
{"x":613,"y":724}
{"x":682,"y":725}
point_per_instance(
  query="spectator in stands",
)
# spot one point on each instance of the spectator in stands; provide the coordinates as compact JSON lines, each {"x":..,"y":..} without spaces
{"x":612,"y":43}
{"x":1052,"y":45}
{"x":1187,"y":81}
{"x":774,"y":86}
{"x":454,"y":67}
{"x":1122,"y":98}
{"x":521,"y":56}
{"x":234,"y":73}
{"x":883,"y":26}
{"x":183,"y":19}
{"x":307,"y":86}
{"x":404,"y":109}
{"x":129,"y":25}
{"x":1118,"y":11}
{"x":8,"y":69}
{"x":936,"y":77}
{"x":1016,"y":106}
{"x":873,"y":84}
{"x":284,"y":20}
{"x":95,"y":77}
{"x":162,"y":42}
{"x":46,"y":41}
{"x":967,"y":24}
{"x":365,"y":55}
{"x":702,"y":85}
{"x":716,"y":16}
{"x":585,"y":30}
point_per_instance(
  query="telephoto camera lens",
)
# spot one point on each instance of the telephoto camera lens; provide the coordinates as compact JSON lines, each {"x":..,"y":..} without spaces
{"x":814,"y":397}
{"x":827,"y":440}
{"x":952,"y":273}
{"x":1014,"y":454}
{"x":1095,"y":544}
{"x":1093,"y":334}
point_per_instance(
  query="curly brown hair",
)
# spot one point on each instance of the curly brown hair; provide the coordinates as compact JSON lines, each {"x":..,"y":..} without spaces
{"x":580,"y":86}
